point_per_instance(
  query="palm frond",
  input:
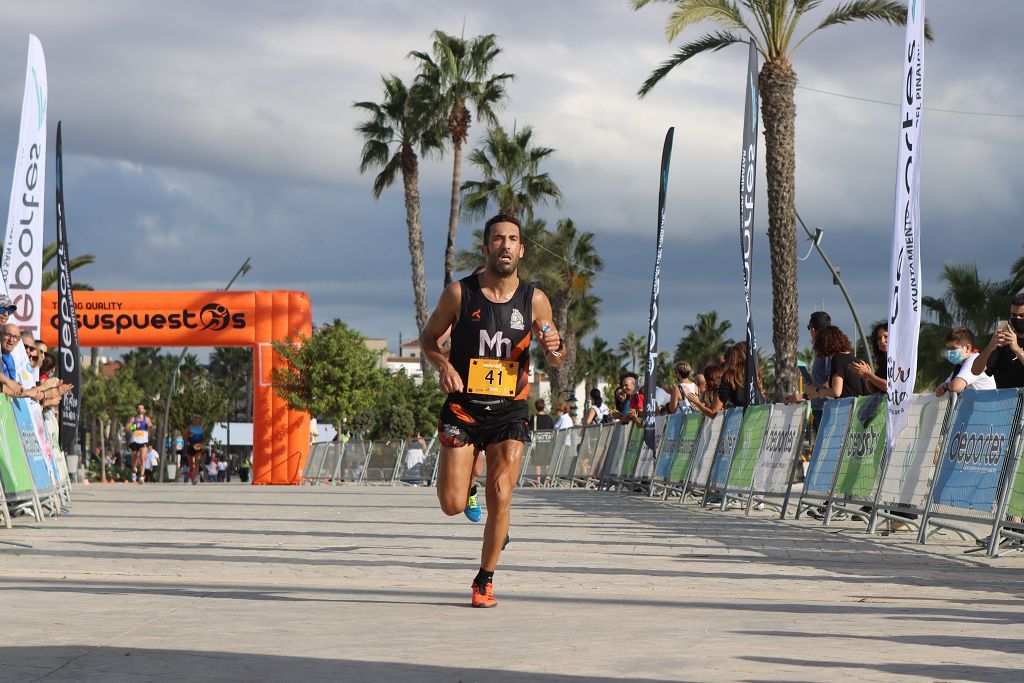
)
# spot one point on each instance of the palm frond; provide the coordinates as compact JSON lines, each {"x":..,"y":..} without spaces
{"x":386,"y":178}
{"x":688,"y":12}
{"x":711,"y":42}
{"x":887,"y":11}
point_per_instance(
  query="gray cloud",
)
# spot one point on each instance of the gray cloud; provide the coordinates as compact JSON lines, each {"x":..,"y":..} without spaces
{"x":199,"y":133}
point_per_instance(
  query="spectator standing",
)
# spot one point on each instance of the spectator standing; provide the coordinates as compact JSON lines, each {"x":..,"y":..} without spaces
{"x":541,"y":420}
{"x":415,"y":456}
{"x":629,"y":401}
{"x":212,"y":469}
{"x":821,"y":369}
{"x":833,"y":344}
{"x":563,"y":420}
{"x":709,"y":402}
{"x":222,"y":469}
{"x":683,"y":386}
{"x":152,"y":462}
{"x":879,"y":350}
{"x":961,"y":353}
{"x":598,"y":412}
{"x":1003,"y":357}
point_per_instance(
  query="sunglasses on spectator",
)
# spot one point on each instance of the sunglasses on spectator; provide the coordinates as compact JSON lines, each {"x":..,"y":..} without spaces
{"x":9,"y":309}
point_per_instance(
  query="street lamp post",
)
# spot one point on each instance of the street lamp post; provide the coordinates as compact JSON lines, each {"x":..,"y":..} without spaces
{"x":245,"y":268}
{"x":816,"y":239}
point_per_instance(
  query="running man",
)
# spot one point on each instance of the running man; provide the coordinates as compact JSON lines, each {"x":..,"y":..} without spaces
{"x":195,"y":438}
{"x":138,"y":429}
{"x":493,"y":316}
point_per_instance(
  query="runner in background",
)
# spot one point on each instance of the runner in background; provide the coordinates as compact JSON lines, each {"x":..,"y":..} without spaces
{"x":194,"y":446}
{"x":138,"y":429}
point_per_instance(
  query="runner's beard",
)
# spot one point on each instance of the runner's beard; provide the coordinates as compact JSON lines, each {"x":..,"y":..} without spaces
{"x":502,"y":268}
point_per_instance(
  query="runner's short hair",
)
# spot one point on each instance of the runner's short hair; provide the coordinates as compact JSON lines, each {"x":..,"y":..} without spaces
{"x":539,"y":404}
{"x":961,"y":336}
{"x":500,"y":218}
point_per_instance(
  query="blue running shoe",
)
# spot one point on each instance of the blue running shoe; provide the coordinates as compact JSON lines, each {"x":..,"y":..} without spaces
{"x":473,"y":512}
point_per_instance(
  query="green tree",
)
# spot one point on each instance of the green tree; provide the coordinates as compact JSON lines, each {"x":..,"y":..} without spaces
{"x":703,"y":341}
{"x":633,"y":349}
{"x":403,"y":406}
{"x":598,"y":362}
{"x":404,"y":126}
{"x":50,"y":274}
{"x":108,"y":402}
{"x":197,"y":395}
{"x":231,"y":369}
{"x":331,"y":374}
{"x":513,"y":183}
{"x":571,"y":262}
{"x":459,"y":73}
{"x":772,"y":26}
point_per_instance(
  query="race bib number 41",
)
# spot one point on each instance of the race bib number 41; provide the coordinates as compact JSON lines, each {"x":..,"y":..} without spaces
{"x":492,"y":377}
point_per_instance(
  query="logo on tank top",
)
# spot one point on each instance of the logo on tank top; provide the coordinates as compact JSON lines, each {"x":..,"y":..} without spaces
{"x":496,"y":345}
{"x":475,"y":315}
{"x":516,"y":323}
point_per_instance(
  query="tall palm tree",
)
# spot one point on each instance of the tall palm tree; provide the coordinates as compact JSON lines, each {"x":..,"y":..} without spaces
{"x":49,"y":280}
{"x":459,"y":72}
{"x":632,"y":348}
{"x":772,"y":25}
{"x":703,"y":341}
{"x":570,"y":264}
{"x":512,"y":183}
{"x":400,"y":129}
{"x":598,"y":362}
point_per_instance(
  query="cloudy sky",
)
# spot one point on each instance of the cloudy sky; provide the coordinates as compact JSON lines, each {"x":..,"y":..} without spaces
{"x":199,"y":133}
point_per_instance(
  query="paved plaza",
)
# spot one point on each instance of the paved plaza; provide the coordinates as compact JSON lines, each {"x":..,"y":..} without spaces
{"x":239,"y":583}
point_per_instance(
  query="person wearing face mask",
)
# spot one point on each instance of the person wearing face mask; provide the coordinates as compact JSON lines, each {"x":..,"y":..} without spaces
{"x":961,"y":353}
{"x":1003,"y":358}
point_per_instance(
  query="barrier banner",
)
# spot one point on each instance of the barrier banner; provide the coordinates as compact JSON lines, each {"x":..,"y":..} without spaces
{"x":905,"y":285}
{"x":42,"y":471}
{"x":748,"y":178}
{"x":645,"y":463}
{"x":748,"y":446}
{"x":1016,"y":504}
{"x":775,"y":462}
{"x":67,"y":347}
{"x":650,"y":384}
{"x":14,"y":472}
{"x":589,"y":441}
{"x":975,"y":450}
{"x":685,"y":446}
{"x":669,"y":443}
{"x":908,"y":476}
{"x":705,"y":452}
{"x":22,"y":264}
{"x":726,"y":446}
{"x":835,"y":419}
{"x":863,"y":449}
{"x":633,"y":446}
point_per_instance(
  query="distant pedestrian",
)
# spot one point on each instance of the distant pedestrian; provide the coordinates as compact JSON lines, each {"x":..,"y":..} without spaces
{"x":212,"y":469}
{"x":222,"y":469}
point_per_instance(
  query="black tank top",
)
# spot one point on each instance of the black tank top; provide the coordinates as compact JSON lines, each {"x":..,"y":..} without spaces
{"x":491,"y":330}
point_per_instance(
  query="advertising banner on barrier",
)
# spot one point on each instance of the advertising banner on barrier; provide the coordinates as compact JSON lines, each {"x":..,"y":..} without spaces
{"x":748,"y":446}
{"x":685,"y":447}
{"x":779,"y":447}
{"x":14,"y":471}
{"x":905,"y":285}
{"x":645,"y":463}
{"x":669,"y":442}
{"x":705,"y":452}
{"x":633,"y":446}
{"x":42,"y":471}
{"x":726,"y":446}
{"x":835,"y":419}
{"x":1015,"y":506}
{"x":975,"y":451}
{"x":22,"y":263}
{"x":863,"y":449}
{"x":908,"y":476}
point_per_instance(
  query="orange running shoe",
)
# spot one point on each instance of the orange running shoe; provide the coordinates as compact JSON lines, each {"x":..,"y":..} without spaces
{"x":486,"y":598}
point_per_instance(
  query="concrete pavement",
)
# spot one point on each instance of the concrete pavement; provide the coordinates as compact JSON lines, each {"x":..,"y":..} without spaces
{"x":238,"y":583}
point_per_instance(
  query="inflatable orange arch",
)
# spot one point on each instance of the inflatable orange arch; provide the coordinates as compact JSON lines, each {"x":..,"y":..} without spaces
{"x":253,"y":319}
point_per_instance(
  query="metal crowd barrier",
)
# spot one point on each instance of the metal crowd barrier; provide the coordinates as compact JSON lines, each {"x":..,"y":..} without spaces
{"x":956,"y":462}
